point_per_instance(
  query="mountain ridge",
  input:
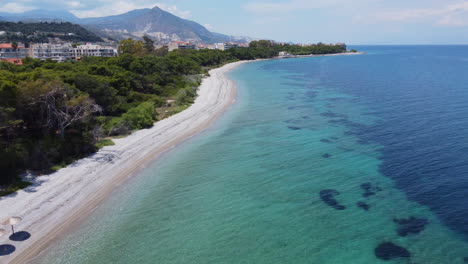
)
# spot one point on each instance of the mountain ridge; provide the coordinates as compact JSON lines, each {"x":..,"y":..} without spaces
{"x":156,"y":23}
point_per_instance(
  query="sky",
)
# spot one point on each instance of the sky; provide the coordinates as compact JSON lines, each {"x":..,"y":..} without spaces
{"x":306,"y":21}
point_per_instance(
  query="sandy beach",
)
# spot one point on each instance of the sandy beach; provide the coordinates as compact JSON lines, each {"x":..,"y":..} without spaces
{"x":56,"y":202}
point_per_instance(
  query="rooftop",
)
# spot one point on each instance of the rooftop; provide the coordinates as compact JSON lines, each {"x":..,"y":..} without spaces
{"x":16,"y":61}
{"x":9,"y":46}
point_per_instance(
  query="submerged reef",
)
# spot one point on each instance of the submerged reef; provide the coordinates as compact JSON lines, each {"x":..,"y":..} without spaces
{"x":328,"y":197}
{"x":389,"y":251}
{"x":369,"y":190}
{"x":363,"y":205}
{"x":411,"y":226}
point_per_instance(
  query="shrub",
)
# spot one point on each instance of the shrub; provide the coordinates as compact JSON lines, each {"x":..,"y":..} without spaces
{"x":142,"y":116}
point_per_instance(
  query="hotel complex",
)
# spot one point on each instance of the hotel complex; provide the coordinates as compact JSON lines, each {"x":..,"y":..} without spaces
{"x":57,"y":52}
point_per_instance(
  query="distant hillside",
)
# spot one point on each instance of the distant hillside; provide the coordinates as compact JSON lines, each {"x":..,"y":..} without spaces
{"x":40,"y":15}
{"x":41,"y":31}
{"x":156,"y":23}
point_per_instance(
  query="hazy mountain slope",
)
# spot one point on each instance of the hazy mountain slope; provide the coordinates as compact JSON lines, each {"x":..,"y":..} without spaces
{"x":41,"y":31}
{"x":155,"y":22}
{"x":39,"y":15}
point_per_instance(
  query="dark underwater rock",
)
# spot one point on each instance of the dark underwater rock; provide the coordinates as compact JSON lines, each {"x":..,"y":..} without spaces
{"x":389,"y":251}
{"x":325,"y":140}
{"x":333,"y":115}
{"x":366,"y":186}
{"x":368,"y":194}
{"x":311,"y":94}
{"x":328,"y":197}
{"x":335,"y":99}
{"x":363,"y":205}
{"x":411,"y":226}
{"x":326,"y":156}
{"x":294,"y":128}
{"x":369,"y":190}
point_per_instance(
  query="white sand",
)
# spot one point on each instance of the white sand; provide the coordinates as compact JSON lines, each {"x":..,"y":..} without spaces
{"x":58,"y":201}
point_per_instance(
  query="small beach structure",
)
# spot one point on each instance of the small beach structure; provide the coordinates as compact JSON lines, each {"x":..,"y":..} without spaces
{"x":170,"y":103}
{"x":12,"y":221}
{"x":285,"y":54}
{"x":2,"y":232}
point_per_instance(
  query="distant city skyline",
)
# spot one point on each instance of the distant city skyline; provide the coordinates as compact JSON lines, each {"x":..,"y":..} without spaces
{"x":353,"y":22}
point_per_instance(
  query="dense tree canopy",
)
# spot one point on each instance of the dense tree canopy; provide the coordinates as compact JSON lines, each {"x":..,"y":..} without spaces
{"x":39,"y":32}
{"x":53,"y":113}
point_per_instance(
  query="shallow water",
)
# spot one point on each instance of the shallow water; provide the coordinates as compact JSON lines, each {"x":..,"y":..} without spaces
{"x":249,"y":189}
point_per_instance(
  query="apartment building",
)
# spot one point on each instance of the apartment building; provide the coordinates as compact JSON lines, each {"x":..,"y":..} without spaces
{"x":56,"y":52}
{"x":181,"y":45}
{"x":93,"y":50}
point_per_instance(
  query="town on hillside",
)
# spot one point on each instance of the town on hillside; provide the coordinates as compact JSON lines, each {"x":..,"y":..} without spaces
{"x":60,"y":51}
{"x":66,"y":51}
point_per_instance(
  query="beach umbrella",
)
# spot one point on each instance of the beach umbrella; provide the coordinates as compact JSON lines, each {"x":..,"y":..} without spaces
{"x":12,"y":221}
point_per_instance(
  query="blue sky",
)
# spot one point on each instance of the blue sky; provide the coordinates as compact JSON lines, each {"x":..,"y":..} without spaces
{"x":353,"y":22}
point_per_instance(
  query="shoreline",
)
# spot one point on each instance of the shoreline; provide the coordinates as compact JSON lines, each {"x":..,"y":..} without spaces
{"x":54,"y":203}
{"x":319,"y":55}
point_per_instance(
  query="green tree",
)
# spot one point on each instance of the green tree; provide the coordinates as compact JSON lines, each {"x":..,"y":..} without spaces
{"x":132,"y":47}
{"x":14,"y":45}
{"x":149,"y":44}
{"x":142,"y":116}
{"x":261,"y":44}
{"x":55,"y":105}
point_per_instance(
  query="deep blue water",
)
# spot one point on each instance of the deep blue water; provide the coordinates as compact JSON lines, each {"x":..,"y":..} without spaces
{"x":421,"y":95}
{"x":343,"y":159}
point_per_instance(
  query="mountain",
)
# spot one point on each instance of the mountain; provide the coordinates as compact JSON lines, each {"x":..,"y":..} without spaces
{"x":160,"y":25}
{"x":156,"y":23}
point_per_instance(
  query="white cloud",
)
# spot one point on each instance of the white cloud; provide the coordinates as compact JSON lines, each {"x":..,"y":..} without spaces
{"x":174,"y":10}
{"x":450,"y":15}
{"x":453,"y":21}
{"x":74,"y":4}
{"x":261,"y":20}
{"x":89,"y":8}
{"x":14,"y":7}
{"x":209,"y":27}
{"x":109,"y":8}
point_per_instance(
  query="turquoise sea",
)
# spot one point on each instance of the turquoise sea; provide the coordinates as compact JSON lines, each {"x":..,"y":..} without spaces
{"x":329,"y":160}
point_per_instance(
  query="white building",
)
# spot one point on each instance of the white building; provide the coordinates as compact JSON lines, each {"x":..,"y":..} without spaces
{"x":94,"y":51}
{"x":230,"y":45}
{"x":56,"y":52}
{"x":219,"y":46}
{"x":285,"y":54}
{"x":226,"y":46}
{"x":181,"y":45}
